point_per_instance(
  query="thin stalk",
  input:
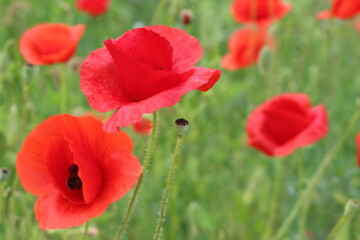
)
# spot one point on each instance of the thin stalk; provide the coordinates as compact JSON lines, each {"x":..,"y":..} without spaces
{"x":63,"y":89}
{"x":159,"y":7}
{"x":85,"y":231}
{"x":169,"y":181}
{"x":273,"y":207}
{"x":338,"y":225}
{"x":329,"y":157}
{"x":146,"y":163}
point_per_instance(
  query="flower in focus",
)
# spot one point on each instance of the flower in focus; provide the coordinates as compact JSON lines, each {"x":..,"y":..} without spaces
{"x":143,"y":127}
{"x":142,"y":71}
{"x":245,"y":46}
{"x":49,"y":43}
{"x":93,"y":7}
{"x":259,"y":11}
{"x":76,"y":169}
{"x":341,"y":9}
{"x":285,"y":123}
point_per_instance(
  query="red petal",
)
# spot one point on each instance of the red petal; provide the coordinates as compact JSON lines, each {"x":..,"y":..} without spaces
{"x":50,"y":43}
{"x":146,"y":47}
{"x":139,"y":80}
{"x":54,"y":211}
{"x":187,"y":50}
{"x":58,"y":159}
{"x":132,"y":113}
{"x":99,"y":82}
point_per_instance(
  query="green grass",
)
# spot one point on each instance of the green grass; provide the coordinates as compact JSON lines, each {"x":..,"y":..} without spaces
{"x":223,"y":190}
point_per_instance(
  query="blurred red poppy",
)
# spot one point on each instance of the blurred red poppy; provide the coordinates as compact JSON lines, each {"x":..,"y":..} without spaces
{"x":259,"y":11}
{"x":143,"y":127}
{"x":245,"y":46}
{"x":341,"y":9}
{"x":93,"y":7}
{"x":76,"y":169}
{"x":357,"y":26}
{"x":49,"y":43}
{"x":142,"y":71}
{"x":285,"y":123}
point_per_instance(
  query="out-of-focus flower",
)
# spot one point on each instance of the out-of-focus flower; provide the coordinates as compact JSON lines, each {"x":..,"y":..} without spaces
{"x":76,"y":169}
{"x":142,"y":71}
{"x":285,"y":123}
{"x":245,"y":46}
{"x":186,"y":16}
{"x":93,"y":7}
{"x":143,"y":127}
{"x":49,"y":43}
{"x":341,"y":9}
{"x":259,"y":11}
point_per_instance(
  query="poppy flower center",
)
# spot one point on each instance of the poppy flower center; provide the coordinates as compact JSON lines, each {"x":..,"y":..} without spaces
{"x":74,"y":182}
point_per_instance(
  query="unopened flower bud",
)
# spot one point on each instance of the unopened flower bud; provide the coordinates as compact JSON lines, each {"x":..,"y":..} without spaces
{"x":186,"y":16}
{"x":351,"y":206}
{"x":181,"y":126}
{"x":4,"y":173}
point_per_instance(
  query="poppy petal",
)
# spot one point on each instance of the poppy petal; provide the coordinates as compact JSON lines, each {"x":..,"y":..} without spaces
{"x":132,"y":113}
{"x":187,"y":50}
{"x":99,"y":82}
{"x":55,"y":211}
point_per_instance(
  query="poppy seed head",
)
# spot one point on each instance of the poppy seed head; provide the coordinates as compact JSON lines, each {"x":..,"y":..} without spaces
{"x":181,"y":126}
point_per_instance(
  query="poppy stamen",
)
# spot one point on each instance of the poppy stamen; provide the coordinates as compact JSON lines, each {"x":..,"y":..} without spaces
{"x":74,"y":181}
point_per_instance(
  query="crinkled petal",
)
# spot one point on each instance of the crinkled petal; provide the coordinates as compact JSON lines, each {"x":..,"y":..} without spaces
{"x":132,"y":113}
{"x":147,"y":47}
{"x":55,"y":211}
{"x":99,"y":82}
{"x":187,"y":50}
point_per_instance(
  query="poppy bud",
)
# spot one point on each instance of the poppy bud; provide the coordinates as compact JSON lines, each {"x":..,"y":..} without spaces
{"x":351,"y":206}
{"x":4,"y":173}
{"x":186,"y":16}
{"x":181,"y":126}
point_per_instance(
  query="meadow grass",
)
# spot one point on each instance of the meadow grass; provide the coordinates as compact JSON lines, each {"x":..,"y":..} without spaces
{"x":223,"y":190}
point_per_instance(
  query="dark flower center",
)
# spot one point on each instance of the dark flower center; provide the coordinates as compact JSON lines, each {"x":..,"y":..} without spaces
{"x":74,"y":181}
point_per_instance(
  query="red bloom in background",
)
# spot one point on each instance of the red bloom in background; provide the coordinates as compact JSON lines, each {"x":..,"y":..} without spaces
{"x":341,"y":9}
{"x":259,"y":11}
{"x":93,"y":7}
{"x":142,"y":71}
{"x":285,"y":123}
{"x":76,"y":169}
{"x":357,"y":26}
{"x":143,"y":127}
{"x":245,"y":46}
{"x":49,"y":43}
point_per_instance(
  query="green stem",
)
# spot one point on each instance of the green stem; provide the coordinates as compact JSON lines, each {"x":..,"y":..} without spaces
{"x":338,"y":225}
{"x":63,"y":89}
{"x":330,"y":156}
{"x":166,"y":193}
{"x":146,"y":163}
{"x":273,"y":207}
{"x":85,"y":231}
{"x":159,"y":7}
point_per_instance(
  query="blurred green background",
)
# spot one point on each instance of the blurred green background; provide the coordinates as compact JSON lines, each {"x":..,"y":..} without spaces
{"x":223,"y":190}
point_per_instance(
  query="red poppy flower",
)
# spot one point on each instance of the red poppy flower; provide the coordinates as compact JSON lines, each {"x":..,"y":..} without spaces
{"x":341,"y":9}
{"x":142,"y":71}
{"x":284,"y":123}
{"x":259,"y":11}
{"x":357,"y":26}
{"x":143,"y":127}
{"x":245,"y":46}
{"x":76,"y":169}
{"x":93,"y":7}
{"x":49,"y":43}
